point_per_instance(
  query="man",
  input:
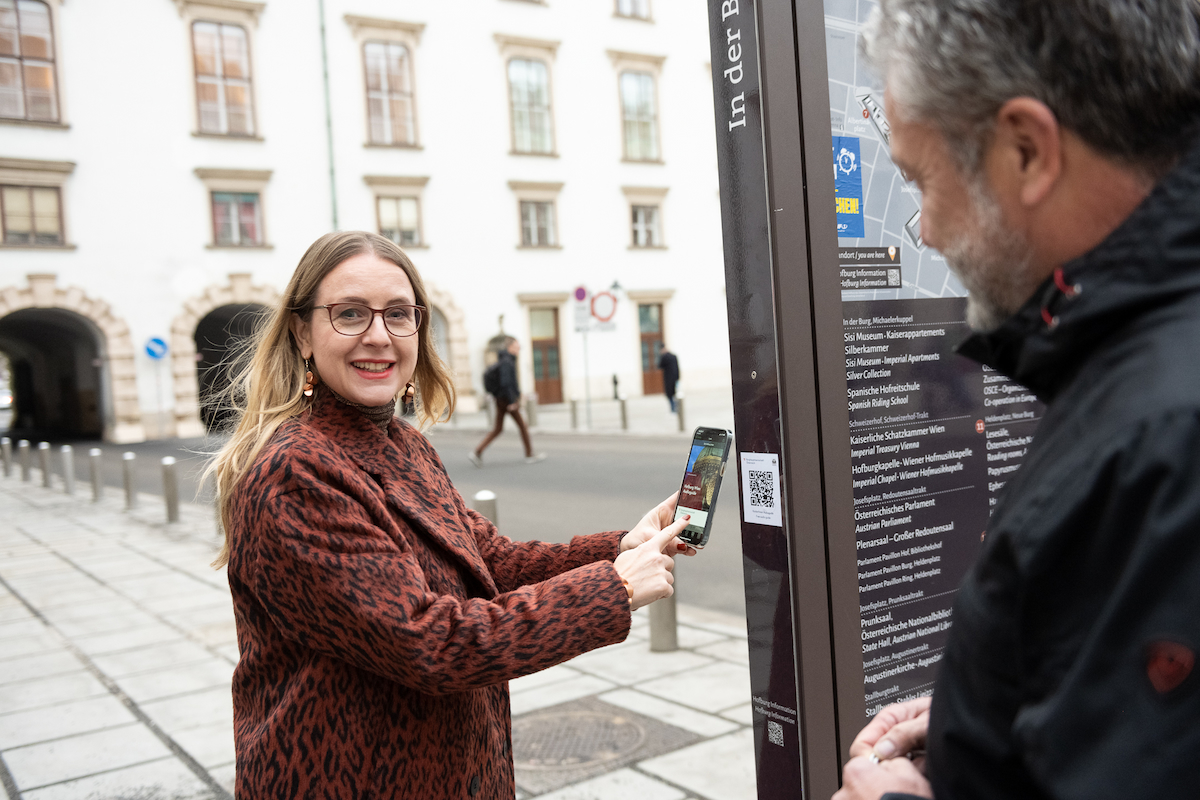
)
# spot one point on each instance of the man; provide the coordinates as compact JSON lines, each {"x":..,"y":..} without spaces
{"x":669,"y":365}
{"x":508,"y":402}
{"x":1055,"y":144}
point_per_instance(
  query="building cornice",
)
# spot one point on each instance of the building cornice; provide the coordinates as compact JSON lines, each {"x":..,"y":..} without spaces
{"x":222,"y":173}
{"x":358,"y":24}
{"x":395,"y":180}
{"x":534,"y":186}
{"x":506,"y":41}
{"x":621,"y":56}
{"x":243,"y":6}
{"x":36,"y":165}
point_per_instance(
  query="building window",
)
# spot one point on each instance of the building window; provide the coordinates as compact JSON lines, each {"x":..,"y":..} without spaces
{"x":400,"y":220}
{"x":529,"y":88}
{"x":639,"y":116}
{"x":32,"y":215}
{"x":645,"y":226}
{"x":223,"y":94}
{"x":537,"y":223}
{"x":27,"y":77}
{"x":637,"y":9}
{"x":237,"y":219}
{"x":389,"y":93}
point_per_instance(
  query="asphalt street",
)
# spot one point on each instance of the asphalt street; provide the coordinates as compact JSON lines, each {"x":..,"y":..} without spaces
{"x":587,"y":483}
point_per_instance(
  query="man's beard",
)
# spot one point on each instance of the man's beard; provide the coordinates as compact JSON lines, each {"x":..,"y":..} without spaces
{"x":991,"y":261}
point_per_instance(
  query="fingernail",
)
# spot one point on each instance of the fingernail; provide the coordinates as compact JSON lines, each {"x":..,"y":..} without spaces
{"x":681,"y":547}
{"x":885,"y":749}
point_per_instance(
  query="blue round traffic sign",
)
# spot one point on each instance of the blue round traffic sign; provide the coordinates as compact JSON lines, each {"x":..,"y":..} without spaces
{"x":156,"y":348}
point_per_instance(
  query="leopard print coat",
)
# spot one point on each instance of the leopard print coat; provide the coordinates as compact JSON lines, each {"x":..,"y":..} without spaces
{"x":379,"y":619}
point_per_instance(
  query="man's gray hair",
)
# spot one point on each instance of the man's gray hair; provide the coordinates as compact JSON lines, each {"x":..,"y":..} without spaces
{"x":1124,"y":75}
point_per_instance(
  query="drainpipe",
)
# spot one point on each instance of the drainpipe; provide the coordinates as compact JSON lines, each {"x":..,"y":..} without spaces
{"x":328,"y":117}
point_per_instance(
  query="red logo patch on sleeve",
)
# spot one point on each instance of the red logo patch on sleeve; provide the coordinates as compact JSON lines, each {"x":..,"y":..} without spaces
{"x":1168,"y":664}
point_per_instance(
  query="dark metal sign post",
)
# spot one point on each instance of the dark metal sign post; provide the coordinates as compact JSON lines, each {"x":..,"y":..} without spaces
{"x":868,"y":453}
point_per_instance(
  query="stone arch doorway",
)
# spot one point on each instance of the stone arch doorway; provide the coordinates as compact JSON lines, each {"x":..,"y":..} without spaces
{"x":219,"y":337}
{"x":72,"y":365}
{"x":448,"y":325}
{"x":239,"y":292}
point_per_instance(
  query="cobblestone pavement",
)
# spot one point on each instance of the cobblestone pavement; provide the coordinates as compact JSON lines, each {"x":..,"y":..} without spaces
{"x":117,"y":645}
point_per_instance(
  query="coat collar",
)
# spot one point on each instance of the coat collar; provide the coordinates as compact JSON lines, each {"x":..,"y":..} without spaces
{"x":1151,"y":259}
{"x":411,"y":474}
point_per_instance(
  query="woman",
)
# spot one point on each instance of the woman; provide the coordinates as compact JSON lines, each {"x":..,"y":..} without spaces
{"x":379,"y":619}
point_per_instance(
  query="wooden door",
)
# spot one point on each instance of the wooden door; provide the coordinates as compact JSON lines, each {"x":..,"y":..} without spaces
{"x":547,"y":368}
{"x":650,"y":322}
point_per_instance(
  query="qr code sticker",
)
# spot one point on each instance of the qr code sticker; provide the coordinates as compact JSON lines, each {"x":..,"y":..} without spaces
{"x":774,"y":732}
{"x":762,"y":489}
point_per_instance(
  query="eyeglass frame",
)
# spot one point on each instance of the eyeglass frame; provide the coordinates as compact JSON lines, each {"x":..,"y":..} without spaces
{"x":380,"y":311}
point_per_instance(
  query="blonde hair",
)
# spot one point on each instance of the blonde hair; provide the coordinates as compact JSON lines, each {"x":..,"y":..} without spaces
{"x":269,"y":370}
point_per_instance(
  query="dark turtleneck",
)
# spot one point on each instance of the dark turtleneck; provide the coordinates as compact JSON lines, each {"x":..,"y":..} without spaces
{"x":379,"y":416}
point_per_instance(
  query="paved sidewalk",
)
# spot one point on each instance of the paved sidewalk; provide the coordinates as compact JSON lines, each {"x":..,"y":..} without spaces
{"x":117,"y":645}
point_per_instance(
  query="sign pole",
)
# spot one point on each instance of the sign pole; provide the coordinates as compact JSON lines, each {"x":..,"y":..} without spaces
{"x":587,"y":381}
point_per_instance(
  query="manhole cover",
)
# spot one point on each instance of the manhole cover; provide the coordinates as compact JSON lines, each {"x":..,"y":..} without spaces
{"x":555,"y":747}
{"x":573,"y":739}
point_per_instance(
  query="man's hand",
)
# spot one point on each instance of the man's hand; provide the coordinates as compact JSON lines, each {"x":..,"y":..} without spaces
{"x":897,"y":730}
{"x":655,"y":520}
{"x":863,"y":779}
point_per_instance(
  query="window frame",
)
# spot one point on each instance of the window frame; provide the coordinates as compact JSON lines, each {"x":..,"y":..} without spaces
{"x":400,"y":187}
{"x":237,"y":181}
{"x":54,"y":60}
{"x":537,"y":192}
{"x":243,"y":13}
{"x":235,"y":206}
{"x":649,"y":11}
{"x":223,"y":81}
{"x":624,"y":62}
{"x":37,"y":174}
{"x":518,"y":47}
{"x":646,"y":196}
{"x":367,"y":30}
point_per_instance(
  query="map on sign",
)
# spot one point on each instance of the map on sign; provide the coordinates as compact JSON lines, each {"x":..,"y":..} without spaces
{"x":886,"y":213}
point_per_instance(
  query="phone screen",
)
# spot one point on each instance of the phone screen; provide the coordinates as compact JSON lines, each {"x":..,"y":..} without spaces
{"x":701,"y":482}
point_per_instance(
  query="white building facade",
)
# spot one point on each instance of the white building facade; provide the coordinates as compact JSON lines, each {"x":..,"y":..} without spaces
{"x":162,"y":169}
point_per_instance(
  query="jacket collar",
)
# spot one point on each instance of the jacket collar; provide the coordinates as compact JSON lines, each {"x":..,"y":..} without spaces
{"x":418,"y":489}
{"x":1151,"y":259}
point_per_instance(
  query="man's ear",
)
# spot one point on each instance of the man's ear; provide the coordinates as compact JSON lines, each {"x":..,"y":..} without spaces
{"x":301,"y":333}
{"x":1026,"y":154}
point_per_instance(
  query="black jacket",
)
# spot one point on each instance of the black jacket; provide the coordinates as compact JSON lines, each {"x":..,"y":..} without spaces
{"x":509,"y":392}
{"x":1092,"y":559}
{"x":669,"y":365}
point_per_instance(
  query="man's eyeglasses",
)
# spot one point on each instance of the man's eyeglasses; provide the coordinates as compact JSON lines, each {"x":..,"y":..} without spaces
{"x":353,"y":319}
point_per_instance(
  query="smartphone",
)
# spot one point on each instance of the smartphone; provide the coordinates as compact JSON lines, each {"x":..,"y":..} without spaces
{"x":701,"y":482}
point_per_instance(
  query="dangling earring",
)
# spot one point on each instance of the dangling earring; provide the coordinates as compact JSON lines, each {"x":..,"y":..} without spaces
{"x":410,"y":405}
{"x":308,"y":380}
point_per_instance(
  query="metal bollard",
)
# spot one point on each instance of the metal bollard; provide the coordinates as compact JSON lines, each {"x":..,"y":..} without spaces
{"x":679,"y":414}
{"x":44,"y":460}
{"x":170,"y":488}
{"x":127,"y":464}
{"x":68,"y":466}
{"x":624,"y":414}
{"x":94,"y":466}
{"x":6,"y":452}
{"x":484,"y":502}
{"x":664,"y":633}
{"x":26,"y":456}
{"x":574,"y":415}
{"x":531,"y":411}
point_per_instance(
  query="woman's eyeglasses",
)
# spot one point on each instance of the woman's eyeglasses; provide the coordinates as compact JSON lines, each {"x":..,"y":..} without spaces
{"x":353,"y":319}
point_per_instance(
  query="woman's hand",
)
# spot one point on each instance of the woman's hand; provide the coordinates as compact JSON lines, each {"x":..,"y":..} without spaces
{"x":647,"y":568}
{"x":650,"y":525}
{"x":897,"y":730}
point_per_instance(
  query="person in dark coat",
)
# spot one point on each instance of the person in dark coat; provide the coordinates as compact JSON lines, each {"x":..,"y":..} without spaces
{"x":379,"y":619}
{"x":508,"y":403}
{"x":669,"y":365}
{"x":1062,"y":183}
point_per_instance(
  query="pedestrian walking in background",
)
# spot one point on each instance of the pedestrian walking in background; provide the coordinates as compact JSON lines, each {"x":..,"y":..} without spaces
{"x":379,"y":619}
{"x":669,"y":365}
{"x":500,"y":381}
